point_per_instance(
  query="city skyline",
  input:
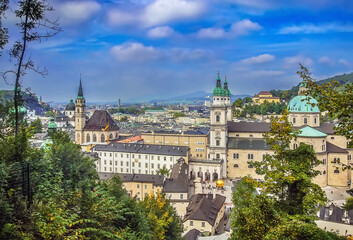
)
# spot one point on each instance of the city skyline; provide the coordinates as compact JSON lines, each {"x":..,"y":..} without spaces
{"x":135,"y":49}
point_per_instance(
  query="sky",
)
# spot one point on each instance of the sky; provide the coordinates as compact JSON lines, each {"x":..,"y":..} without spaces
{"x":144,"y":49}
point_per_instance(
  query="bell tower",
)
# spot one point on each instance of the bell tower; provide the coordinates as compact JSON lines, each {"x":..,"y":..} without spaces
{"x":80,"y":115}
{"x":218,"y":128}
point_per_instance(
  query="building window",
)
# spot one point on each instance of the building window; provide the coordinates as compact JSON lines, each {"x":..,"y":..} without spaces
{"x":217,"y":142}
{"x":152,"y":165}
{"x":294,"y":120}
{"x":127,"y":164}
{"x":146,"y":165}
{"x":88,"y":138}
{"x":127,"y":155}
{"x":146,"y":157}
{"x":139,"y":164}
{"x":218,"y":156}
{"x":133,"y":156}
{"x":251,"y":135}
{"x":305,"y":121}
{"x":145,"y":186}
{"x":158,"y":158}
{"x":133,"y":164}
{"x":203,"y":224}
{"x":138,"y":185}
{"x":110,"y":154}
{"x":295,"y":146}
{"x":165,"y":158}
{"x":250,"y":156}
{"x":236,"y":165}
{"x":250,"y":166}
{"x":121,"y":164}
{"x":181,"y":196}
{"x":324,"y":172}
{"x":152,"y":157}
{"x":332,"y":138}
{"x":191,"y":223}
{"x":102,"y":138}
{"x":315,"y":120}
{"x":349,"y":157}
{"x":235,"y":155}
{"x":336,"y":171}
{"x":324,"y":161}
{"x":139,"y":156}
{"x":217,"y":118}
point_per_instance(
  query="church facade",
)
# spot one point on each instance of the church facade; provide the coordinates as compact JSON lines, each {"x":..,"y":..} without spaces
{"x":234,"y":145}
{"x":100,"y":128}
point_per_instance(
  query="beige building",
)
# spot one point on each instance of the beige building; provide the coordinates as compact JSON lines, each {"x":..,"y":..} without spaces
{"x":204,"y":213}
{"x":176,"y":187}
{"x":195,"y":140}
{"x":264,"y":96}
{"x":139,"y":185}
{"x":100,"y":127}
{"x":246,"y":144}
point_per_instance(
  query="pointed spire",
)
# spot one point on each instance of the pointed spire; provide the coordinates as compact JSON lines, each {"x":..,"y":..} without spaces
{"x":80,"y":91}
{"x":218,"y":84}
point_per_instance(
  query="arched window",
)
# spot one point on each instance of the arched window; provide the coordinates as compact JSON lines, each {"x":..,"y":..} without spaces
{"x":116,"y":135}
{"x":324,"y":172}
{"x":336,"y":171}
{"x":236,"y":165}
{"x":217,"y":118}
{"x":94,"y":138}
{"x":88,"y":138}
{"x":102,"y":138}
{"x":111,"y":136}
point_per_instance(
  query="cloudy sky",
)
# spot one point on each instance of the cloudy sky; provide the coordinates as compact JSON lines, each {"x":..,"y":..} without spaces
{"x":137,"y":49}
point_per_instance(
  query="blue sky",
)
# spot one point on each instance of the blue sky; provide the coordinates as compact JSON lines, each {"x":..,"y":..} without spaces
{"x":138,"y":49}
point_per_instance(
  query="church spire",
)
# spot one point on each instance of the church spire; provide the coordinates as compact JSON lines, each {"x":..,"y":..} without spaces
{"x":80,"y":91}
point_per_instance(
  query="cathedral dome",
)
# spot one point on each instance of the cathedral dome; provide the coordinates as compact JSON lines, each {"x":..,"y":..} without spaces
{"x":70,"y":106}
{"x":301,"y":104}
{"x":218,"y":91}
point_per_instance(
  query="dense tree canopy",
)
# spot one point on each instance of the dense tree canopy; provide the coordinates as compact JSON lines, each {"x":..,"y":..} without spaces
{"x":284,"y":205}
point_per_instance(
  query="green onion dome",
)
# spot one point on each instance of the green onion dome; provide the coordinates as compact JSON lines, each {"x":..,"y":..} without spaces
{"x":300,"y":103}
{"x":218,"y":90}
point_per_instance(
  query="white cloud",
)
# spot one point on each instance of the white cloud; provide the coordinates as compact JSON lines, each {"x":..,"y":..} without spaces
{"x":133,"y":51}
{"x":77,"y":12}
{"x":344,"y":62}
{"x":157,"y":12}
{"x":120,"y":18}
{"x":165,"y":11}
{"x":211,"y":33}
{"x":180,"y":54}
{"x":263,"y":58}
{"x":137,"y":52}
{"x":293,"y":62}
{"x":314,"y":29}
{"x":244,"y":27}
{"x":325,"y":60}
{"x":160,"y":32}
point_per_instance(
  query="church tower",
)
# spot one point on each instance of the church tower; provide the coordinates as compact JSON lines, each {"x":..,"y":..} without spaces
{"x":219,"y":116}
{"x":80,"y":115}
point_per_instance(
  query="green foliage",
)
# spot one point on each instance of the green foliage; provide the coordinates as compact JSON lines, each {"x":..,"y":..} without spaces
{"x":49,"y":114}
{"x":287,"y":201}
{"x":163,"y":171}
{"x":348,"y":205}
{"x":127,"y":110}
{"x":333,"y":98}
{"x":238,"y":103}
{"x":178,"y":114}
{"x":164,"y":222}
{"x":36,"y":126}
{"x":263,"y":109}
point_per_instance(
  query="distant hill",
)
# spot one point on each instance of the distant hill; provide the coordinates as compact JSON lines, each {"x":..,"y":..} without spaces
{"x":288,"y":94}
{"x":30,"y":101}
{"x":191,"y":98}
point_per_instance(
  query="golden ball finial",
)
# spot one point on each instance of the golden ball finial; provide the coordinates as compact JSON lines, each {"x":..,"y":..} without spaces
{"x":220,"y":183}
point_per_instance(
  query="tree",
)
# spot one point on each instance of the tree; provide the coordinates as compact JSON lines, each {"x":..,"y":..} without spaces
{"x":335,"y":99}
{"x":4,"y":5}
{"x":163,"y":171}
{"x":286,"y":197}
{"x":37,"y":126}
{"x":348,"y":205}
{"x":164,"y":222}
{"x":33,"y":26}
{"x":238,"y":102}
{"x":247,"y":100}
